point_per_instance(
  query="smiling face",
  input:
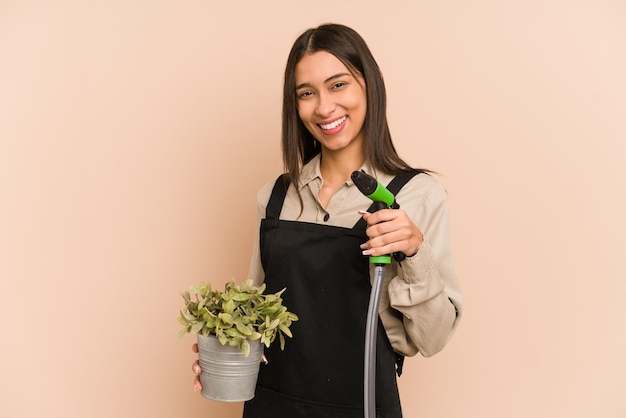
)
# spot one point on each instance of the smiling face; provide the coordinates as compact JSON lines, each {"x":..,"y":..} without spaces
{"x":331,"y":101}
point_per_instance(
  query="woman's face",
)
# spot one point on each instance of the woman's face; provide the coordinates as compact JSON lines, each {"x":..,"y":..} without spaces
{"x":331,"y":101}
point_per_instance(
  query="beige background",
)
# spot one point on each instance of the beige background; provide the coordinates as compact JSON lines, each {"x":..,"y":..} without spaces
{"x":134,"y":135}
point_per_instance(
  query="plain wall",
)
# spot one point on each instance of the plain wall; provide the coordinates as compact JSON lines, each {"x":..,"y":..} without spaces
{"x":135,"y":134}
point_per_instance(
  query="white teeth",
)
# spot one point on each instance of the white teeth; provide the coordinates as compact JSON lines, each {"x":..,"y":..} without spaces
{"x":334,"y":124}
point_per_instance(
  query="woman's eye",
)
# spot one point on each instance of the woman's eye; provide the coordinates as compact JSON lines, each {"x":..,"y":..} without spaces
{"x":339,"y":85}
{"x":304,"y":94}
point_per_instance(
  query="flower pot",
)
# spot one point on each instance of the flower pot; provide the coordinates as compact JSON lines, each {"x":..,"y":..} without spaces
{"x":227,"y":375}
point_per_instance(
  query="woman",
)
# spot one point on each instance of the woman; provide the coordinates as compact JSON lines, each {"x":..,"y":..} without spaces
{"x":314,"y":239}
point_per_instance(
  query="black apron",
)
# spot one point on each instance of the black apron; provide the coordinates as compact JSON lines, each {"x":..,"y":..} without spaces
{"x":320,"y":372}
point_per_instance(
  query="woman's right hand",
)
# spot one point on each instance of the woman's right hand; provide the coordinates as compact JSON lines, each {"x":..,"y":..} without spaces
{"x":197,"y":386}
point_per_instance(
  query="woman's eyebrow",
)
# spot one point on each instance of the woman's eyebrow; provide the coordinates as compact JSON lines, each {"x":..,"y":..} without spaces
{"x":331,"y":78}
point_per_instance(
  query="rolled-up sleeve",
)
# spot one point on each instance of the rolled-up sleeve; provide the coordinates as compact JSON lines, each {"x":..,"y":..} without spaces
{"x":423,"y":303}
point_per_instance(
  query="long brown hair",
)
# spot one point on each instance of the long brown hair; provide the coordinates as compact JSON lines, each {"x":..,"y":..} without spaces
{"x":298,"y":144}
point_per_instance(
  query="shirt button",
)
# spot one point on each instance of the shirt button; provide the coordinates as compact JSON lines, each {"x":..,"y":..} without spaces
{"x":326,"y":217}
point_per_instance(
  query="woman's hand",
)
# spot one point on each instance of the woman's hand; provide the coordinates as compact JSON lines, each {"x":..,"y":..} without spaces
{"x":391,"y":231}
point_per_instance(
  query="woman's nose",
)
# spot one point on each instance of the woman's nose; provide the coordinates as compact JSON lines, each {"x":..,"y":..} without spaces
{"x":325,"y":106}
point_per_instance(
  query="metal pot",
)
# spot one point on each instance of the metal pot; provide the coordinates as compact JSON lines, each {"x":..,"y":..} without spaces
{"x":227,"y":375}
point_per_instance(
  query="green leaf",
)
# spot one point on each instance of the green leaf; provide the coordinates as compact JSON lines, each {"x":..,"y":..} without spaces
{"x":199,"y":289}
{"x":229,"y":306}
{"x":254,"y":336}
{"x":188,"y":316}
{"x":270,"y":310}
{"x":211,"y":322}
{"x":273,"y":324}
{"x":227,"y":318}
{"x":243,"y":329}
{"x":245,"y":348}
{"x":232,"y":332}
{"x":182,"y":332}
{"x":181,"y":319}
{"x":285,"y":330}
{"x":241,"y":297}
{"x":196,"y":327}
{"x":186,"y":297}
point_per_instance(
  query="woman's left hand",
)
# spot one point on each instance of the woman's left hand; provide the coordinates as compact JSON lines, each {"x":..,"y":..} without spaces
{"x":391,"y":231}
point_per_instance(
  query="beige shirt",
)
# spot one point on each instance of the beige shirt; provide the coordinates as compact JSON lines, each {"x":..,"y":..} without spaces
{"x":424,"y":288}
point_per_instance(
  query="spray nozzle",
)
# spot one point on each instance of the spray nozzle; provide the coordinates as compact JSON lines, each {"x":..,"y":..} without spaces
{"x":371,"y":188}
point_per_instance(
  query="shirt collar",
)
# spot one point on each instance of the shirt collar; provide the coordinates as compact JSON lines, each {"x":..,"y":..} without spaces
{"x":311,"y":171}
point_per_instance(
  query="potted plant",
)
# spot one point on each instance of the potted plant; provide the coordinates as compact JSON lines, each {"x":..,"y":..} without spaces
{"x":231,"y":327}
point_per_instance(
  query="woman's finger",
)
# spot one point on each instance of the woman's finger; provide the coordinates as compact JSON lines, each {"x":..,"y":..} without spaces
{"x":197,"y":386}
{"x":196,"y":367}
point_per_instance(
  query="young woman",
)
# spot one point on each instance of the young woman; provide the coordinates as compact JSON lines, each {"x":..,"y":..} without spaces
{"x":315,"y":236}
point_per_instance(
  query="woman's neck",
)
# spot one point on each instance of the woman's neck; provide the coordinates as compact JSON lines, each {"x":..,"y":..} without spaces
{"x":336,"y":169}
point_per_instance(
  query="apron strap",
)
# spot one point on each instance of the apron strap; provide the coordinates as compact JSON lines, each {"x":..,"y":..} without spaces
{"x":400,"y":180}
{"x":275,"y":204}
